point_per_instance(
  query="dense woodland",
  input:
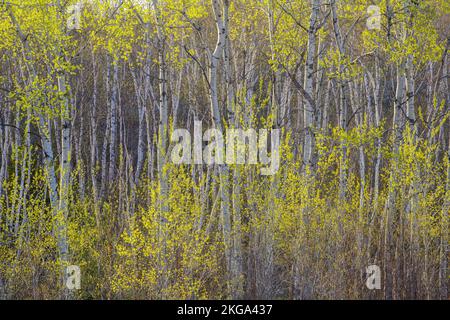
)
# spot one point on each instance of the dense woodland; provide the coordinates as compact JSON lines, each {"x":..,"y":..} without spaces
{"x":90,"y":92}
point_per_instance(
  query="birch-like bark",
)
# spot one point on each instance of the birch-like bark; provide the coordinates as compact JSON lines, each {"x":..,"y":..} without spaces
{"x":162,"y":137}
{"x":309,"y":108}
{"x":375,"y":81}
{"x":93,"y":132}
{"x":342,"y":116}
{"x":114,"y":123}
{"x":413,"y":188}
{"x":141,"y":131}
{"x":444,"y":245}
{"x":107,"y":132}
{"x":80,"y":163}
{"x":222,"y":35}
{"x":410,"y":88}
{"x":390,"y":207}
{"x":58,"y":205}
{"x":65,"y":171}
{"x":5,"y":142}
{"x":443,"y":249}
{"x":342,"y":102}
{"x":374,"y":90}
{"x":234,"y":120}
{"x":149,"y":98}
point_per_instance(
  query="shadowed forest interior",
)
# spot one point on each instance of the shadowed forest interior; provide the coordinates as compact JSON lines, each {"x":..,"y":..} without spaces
{"x":91,"y":92}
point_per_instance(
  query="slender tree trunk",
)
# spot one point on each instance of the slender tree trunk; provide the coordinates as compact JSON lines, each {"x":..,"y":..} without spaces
{"x":141,"y":131}
{"x":443,"y":250}
{"x":107,"y":134}
{"x":309,"y":108}
{"x":236,"y":266}
{"x":391,"y":201}
{"x":114,"y":122}
{"x":58,"y":205}
{"x":223,"y":169}
{"x":93,"y":132}
{"x":65,"y":171}
{"x":342,"y":102}
{"x":162,"y":139}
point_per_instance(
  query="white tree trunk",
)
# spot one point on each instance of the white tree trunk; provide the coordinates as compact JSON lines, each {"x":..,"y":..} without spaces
{"x":114,"y":122}
{"x":141,"y":131}
{"x":162,"y":137}
{"x":65,"y":172}
{"x":215,"y":112}
{"x":309,"y":108}
{"x":443,"y":250}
